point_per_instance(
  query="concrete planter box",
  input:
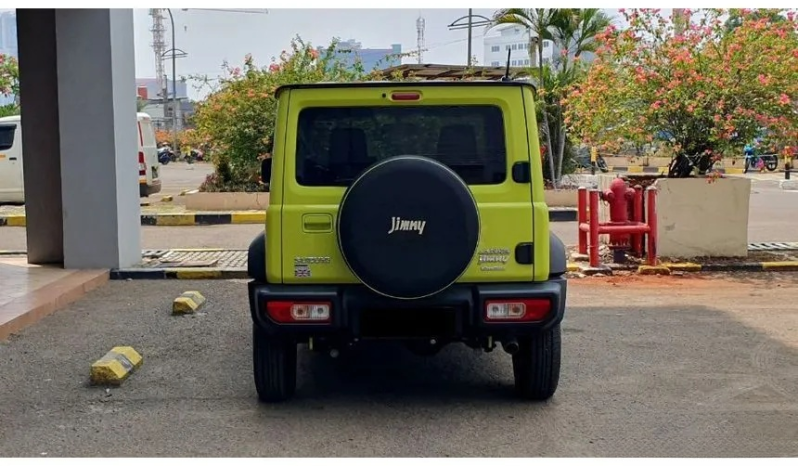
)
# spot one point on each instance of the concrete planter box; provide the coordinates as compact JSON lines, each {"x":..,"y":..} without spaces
{"x":696,"y":218}
{"x":560,"y":198}
{"x":227,"y":201}
{"x":700,"y":219}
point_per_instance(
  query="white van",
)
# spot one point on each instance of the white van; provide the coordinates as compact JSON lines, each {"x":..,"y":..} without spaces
{"x":149,"y":166}
{"x":12,"y":184}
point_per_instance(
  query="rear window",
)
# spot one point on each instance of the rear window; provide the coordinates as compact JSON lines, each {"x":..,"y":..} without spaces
{"x":335,"y":144}
{"x":147,"y":134}
{"x":7,"y":133}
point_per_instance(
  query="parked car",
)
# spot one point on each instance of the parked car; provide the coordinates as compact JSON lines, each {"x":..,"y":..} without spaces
{"x":411,"y":212}
{"x":12,"y":183}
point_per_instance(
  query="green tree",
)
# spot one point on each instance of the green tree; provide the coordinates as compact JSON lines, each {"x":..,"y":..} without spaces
{"x":237,"y":119}
{"x":539,"y":23}
{"x":573,"y":32}
{"x":709,"y":89}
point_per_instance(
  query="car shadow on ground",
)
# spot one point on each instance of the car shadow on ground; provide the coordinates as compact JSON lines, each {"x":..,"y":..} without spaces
{"x":656,"y":377}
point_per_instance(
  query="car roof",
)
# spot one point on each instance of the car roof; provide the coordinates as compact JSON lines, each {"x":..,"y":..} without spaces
{"x":395,"y":84}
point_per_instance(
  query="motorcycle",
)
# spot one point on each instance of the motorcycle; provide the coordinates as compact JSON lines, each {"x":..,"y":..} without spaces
{"x":165,"y":155}
{"x":769,"y":161}
{"x":582,"y":160}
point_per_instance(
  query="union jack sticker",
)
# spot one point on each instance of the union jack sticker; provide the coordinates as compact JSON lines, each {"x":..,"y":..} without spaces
{"x":301,"y":271}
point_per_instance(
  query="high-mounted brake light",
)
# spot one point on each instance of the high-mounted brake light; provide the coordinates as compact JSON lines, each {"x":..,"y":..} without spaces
{"x":517,"y":310}
{"x":404,"y":96}
{"x":291,"y":312}
{"x":142,"y":165}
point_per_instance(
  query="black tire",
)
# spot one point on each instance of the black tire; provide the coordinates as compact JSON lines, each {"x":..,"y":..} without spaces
{"x":602,"y":164}
{"x":274,"y":362}
{"x":772,"y":164}
{"x":536,"y":365}
{"x":747,"y":165}
{"x":408,"y":243}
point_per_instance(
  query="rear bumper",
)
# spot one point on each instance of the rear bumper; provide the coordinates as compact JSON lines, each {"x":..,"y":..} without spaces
{"x":349,"y":303}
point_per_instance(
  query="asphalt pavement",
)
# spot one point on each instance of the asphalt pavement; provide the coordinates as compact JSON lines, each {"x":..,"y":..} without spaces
{"x":708,"y":371}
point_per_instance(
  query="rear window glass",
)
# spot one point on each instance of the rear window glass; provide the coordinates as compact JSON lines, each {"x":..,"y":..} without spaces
{"x":335,"y":144}
{"x":7,"y":133}
{"x":147,"y":133}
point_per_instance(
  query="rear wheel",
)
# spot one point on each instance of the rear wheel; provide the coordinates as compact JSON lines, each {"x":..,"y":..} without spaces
{"x":772,"y":163}
{"x":536,"y":365}
{"x":747,"y":165}
{"x":274,"y":360}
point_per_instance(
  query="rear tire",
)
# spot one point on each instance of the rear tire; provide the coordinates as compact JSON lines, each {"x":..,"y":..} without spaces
{"x":747,"y":165}
{"x":274,"y":361}
{"x":536,"y":365}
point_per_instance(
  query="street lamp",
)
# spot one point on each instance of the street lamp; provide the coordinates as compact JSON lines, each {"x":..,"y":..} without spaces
{"x":469,"y":24}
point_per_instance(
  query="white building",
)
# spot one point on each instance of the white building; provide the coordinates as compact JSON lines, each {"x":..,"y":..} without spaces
{"x":516,"y":39}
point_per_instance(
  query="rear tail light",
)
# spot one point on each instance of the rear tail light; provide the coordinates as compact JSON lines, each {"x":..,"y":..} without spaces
{"x":289,"y":312}
{"x":405,"y":96}
{"x":517,"y":310}
{"x":142,"y":165}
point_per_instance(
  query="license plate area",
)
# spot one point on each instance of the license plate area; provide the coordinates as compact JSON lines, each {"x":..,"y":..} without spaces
{"x":410,"y":323}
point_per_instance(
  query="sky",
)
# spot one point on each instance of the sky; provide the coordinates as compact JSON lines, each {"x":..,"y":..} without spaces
{"x":211,"y":37}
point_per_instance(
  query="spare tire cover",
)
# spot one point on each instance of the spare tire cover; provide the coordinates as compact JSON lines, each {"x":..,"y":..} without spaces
{"x":408,"y":227}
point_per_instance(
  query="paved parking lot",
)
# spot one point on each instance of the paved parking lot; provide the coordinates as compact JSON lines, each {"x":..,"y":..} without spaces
{"x":708,"y":370}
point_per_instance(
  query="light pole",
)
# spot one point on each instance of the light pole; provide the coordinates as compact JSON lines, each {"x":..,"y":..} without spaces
{"x":469,"y":24}
{"x":175,"y":111}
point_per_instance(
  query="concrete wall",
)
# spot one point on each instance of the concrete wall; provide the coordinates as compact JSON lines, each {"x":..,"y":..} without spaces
{"x":696,"y":218}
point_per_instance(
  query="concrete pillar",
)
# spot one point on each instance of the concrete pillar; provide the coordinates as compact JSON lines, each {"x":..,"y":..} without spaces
{"x":96,"y":131}
{"x":40,"y":136}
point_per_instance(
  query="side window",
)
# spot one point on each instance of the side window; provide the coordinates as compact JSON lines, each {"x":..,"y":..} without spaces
{"x":495,"y":48}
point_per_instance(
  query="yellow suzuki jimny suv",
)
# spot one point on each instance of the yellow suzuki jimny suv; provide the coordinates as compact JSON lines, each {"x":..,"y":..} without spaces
{"x":409,"y":211}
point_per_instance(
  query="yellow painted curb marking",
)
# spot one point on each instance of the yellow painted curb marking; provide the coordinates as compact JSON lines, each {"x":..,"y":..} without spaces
{"x":683,"y":267}
{"x":174,"y":220}
{"x":248,"y":217}
{"x":734,"y":171}
{"x":634,"y":169}
{"x":188,"y":303}
{"x":15,"y":221}
{"x":573,"y":267}
{"x":785,"y":265}
{"x":197,"y":274}
{"x":115,"y":366}
{"x":653,"y":270}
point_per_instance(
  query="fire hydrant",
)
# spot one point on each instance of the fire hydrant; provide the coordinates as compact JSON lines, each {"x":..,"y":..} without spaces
{"x":618,"y":197}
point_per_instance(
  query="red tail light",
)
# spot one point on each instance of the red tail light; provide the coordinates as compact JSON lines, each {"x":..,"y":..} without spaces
{"x":517,"y":310}
{"x":142,"y":165}
{"x":405,"y":96}
{"x":295,"y":312}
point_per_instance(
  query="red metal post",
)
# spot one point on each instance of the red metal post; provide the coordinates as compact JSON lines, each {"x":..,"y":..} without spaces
{"x":651,"y":205}
{"x":637,"y":217}
{"x":581,"y":212}
{"x":593,"y":245}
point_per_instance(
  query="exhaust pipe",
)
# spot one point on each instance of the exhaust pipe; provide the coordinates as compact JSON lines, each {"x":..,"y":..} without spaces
{"x":511,"y":346}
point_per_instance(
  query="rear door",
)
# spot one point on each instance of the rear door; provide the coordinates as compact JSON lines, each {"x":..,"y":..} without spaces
{"x":150,"y":148}
{"x":478,"y":132}
{"x":11,"y":170}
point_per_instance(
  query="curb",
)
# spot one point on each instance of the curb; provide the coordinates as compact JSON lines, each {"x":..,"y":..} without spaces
{"x":200,"y":273}
{"x":188,"y":273}
{"x":664,"y":170}
{"x":236,"y":218}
